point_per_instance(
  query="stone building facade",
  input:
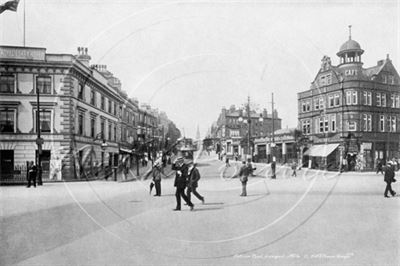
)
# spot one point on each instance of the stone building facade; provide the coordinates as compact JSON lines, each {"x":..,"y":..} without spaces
{"x":350,"y":115}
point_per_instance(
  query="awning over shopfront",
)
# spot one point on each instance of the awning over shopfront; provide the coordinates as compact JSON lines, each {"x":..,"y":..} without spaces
{"x":322,"y":150}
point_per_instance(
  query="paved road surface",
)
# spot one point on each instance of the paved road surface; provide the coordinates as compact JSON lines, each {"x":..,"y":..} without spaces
{"x":314,"y":219}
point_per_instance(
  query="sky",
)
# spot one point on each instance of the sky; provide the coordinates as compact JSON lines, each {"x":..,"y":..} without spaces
{"x":191,"y":58}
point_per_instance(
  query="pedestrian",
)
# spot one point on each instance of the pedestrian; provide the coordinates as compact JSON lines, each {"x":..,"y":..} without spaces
{"x":379,"y":167}
{"x":294,"y":166}
{"x":157,"y":171}
{"x":32,"y":173}
{"x":244,"y":175}
{"x":389,"y":178}
{"x":227,"y":161}
{"x":180,"y":183}
{"x":194,"y":177}
{"x":273,"y":169}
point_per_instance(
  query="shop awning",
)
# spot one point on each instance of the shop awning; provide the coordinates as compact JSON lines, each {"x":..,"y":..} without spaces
{"x":321,"y":150}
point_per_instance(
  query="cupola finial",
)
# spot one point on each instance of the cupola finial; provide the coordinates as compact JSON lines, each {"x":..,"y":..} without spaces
{"x":349,"y":32}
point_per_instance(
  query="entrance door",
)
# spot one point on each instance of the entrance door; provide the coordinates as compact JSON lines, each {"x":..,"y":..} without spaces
{"x":6,"y":164}
{"x":45,"y":161}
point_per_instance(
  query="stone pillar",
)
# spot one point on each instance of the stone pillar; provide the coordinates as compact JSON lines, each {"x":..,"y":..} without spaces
{"x":284,"y":151}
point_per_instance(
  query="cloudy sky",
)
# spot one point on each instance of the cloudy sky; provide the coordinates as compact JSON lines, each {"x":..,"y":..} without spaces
{"x":190,"y":58}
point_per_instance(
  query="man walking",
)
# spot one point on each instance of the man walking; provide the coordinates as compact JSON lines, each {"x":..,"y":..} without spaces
{"x":389,"y":178}
{"x":194,"y":176}
{"x":32,"y":172}
{"x":157,"y":170}
{"x":180,"y":183}
{"x":244,"y":175}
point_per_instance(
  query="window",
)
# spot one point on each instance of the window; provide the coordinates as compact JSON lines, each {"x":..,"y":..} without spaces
{"x":352,"y":125}
{"x":81,"y":90}
{"x":306,"y":127}
{"x":306,"y":107}
{"x":92,"y":97}
{"x":81,"y":119}
{"x":115,"y":108}
{"x":7,"y":120}
{"x":333,"y":123}
{"x":337,"y":100}
{"x":391,"y":79}
{"x":102,"y":103}
{"x":378,"y":99}
{"x":115,"y":133}
{"x":323,"y":124}
{"x":92,"y":127}
{"x":331,"y":101}
{"x":382,"y":123}
{"x":7,"y":84}
{"x":367,"y":125}
{"x":102,"y":122}
{"x":392,"y":100}
{"x":367,"y":98}
{"x":355,"y":98}
{"x":109,"y":130}
{"x":110,"y":106}
{"x":316,"y":104}
{"x":45,"y":121}
{"x":321,"y":103}
{"x":391,"y":123}
{"x":383,"y":99}
{"x":348,"y":97}
{"x":43,"y":84}
{"x":393,"y":126}
{"x":397,"y":101}
{"x":384,"y":79}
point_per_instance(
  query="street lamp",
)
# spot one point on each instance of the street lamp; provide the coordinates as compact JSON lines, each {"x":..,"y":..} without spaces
{"x":247,"y":120}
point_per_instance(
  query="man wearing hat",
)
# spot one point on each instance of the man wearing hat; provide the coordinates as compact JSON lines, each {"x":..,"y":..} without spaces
{"x":244,"y":174}
{"x":194,"y":177}
{"x":157,"y":170}
{"x":389,"y":178}
{"x":180,"y":183}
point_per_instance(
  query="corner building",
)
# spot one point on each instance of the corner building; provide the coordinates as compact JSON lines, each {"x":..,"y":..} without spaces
{"x":350,"y":115}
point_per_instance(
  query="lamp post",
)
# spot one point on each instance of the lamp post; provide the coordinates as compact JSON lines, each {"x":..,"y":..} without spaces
{"x":248,"y":122}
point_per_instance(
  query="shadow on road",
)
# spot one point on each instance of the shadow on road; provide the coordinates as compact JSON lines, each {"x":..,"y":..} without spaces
{"x":207,"y":209}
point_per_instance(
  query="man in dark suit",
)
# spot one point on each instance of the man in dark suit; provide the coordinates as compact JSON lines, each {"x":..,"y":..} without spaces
{"x":244,"y":175}
{"x":180,"y":183}
{"x":389,"y":178}
{"x":32,"y":172}
{"x":194,"y":176}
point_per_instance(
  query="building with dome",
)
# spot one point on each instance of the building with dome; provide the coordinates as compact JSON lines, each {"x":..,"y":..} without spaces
{"x":349,"y":116}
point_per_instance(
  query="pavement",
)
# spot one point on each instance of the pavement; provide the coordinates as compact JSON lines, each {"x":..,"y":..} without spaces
{"x":317,"y":218}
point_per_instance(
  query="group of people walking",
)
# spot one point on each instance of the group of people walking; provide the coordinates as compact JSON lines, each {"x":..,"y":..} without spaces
{"x":187,"y":177}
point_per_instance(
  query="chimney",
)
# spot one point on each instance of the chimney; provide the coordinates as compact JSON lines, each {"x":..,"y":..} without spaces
{"x":83,"y":56}
{"x":380,"y":62}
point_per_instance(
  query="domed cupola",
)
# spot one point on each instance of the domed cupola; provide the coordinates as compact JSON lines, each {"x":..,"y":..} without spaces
{"x":350,"y":52}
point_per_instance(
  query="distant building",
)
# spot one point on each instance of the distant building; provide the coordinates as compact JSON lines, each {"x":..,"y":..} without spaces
{"x":232,"y":134}
{"x":350,"y":115}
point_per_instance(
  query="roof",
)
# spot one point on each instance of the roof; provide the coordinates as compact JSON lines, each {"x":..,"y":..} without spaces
{"x":284,"y":131}
{"x":350,"y":46}
{"x":321,"y":150}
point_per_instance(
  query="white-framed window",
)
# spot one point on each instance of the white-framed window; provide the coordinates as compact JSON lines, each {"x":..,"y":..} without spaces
{"x":46,"y":120}
{"x":337,"y":99}
{"x":383,"y":99}
{"x":333,"y":123}
{"x":354,"y":97}
{"x":382,"y":123}
{"x":323,"y":124}
{"x":321,"y":103}
{"x":378,"y":99}
{"x":331,"y":101}
{"x":306,"y":126}
{"x":392,"y":100}
{"x":367,"y":98}
{"x":43,"y":84}
{"x":391,"y":123}
{"x":348,"y":98}
{"x":352,"y":125}
{"x":8,"y":120}
{"x":306,"y":106}
{"x":7,"y":83}
{"x":394,"y":124}
{"x":316,"y":104}
{"x":397,"y":99}
{"x":367,"y":122}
